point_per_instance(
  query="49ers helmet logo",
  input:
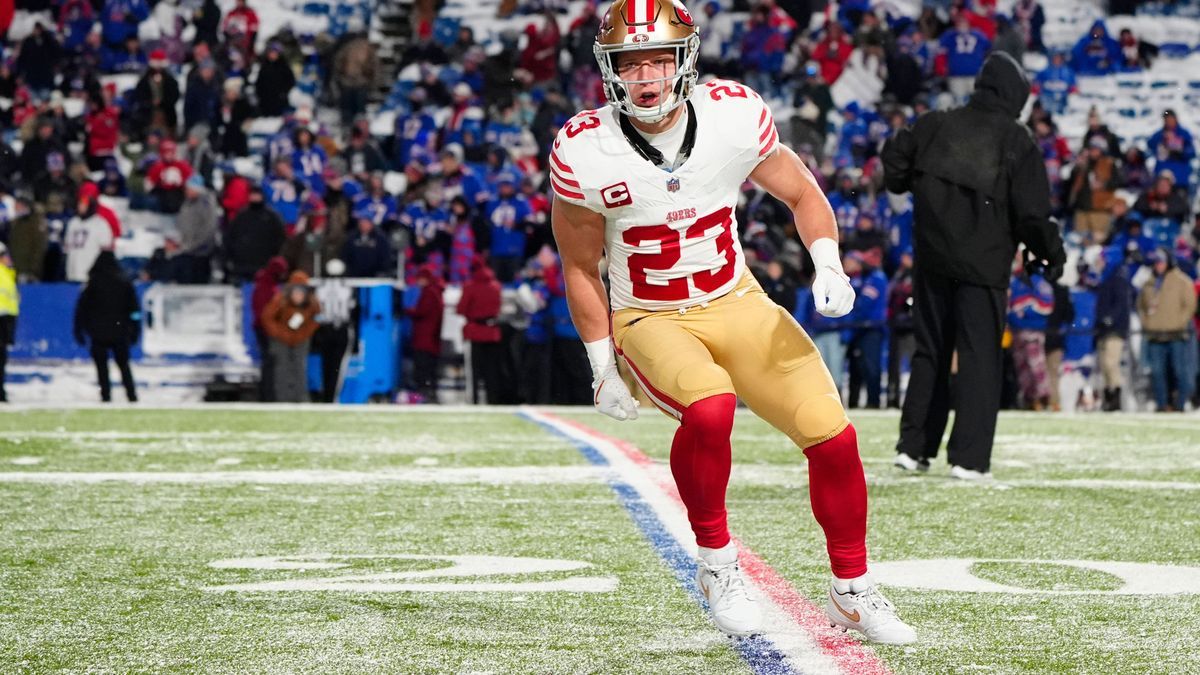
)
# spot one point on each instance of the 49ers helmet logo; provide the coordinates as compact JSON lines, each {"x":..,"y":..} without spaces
{"x":683,"y":15}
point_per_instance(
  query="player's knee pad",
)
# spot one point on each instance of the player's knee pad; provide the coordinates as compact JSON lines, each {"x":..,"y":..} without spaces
{"x":818,"y":418}
{"x":711,"y":417}
{"x":703,"y":380}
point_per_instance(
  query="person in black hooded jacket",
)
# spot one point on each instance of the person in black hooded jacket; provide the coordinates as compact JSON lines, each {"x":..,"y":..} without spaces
{"x":256,"y":235}
{"x":979,"y":188}
{"x":109,"y":314}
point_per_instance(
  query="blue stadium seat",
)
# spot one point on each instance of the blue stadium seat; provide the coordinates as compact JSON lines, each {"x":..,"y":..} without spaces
{"x":315,"y":8}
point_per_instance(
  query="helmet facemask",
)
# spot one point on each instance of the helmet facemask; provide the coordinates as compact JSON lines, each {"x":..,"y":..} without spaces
{"x":677,"y":87}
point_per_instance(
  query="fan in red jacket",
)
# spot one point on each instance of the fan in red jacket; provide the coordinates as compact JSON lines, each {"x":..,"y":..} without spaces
{"x":480,"y":306}
{"x":241,"y":29}
{"x":103,"y":128}
{"x":90,"y":192}
{"x":427,"y":331}
{"x":167,"y":176}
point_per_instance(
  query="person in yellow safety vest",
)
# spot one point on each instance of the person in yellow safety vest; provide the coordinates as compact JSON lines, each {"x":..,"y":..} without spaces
{"x":10,"y":301}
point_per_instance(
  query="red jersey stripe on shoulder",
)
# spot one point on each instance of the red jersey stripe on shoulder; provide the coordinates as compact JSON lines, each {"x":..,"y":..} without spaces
{"x":558,"y":163}
{"x":562,"y":191}
{"x":563,"y":179}
{"x":762,"y":118}
{"x":766,"y":132}
{"x":770,"y":144}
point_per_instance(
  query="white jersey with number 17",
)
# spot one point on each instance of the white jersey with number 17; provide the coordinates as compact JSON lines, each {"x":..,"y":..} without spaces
{"x":670,"y":237}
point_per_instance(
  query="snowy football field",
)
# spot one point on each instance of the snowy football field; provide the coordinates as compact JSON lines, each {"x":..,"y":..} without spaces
{"x":516,"y":541}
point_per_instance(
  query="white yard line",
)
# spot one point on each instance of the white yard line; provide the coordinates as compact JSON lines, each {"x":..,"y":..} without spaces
{"x":797,"y":476}
{"x":511,"y":475}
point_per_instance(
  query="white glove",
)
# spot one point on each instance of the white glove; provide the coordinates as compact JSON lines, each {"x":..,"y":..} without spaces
{"x":609,"y":393}
{"x":832,"y":293}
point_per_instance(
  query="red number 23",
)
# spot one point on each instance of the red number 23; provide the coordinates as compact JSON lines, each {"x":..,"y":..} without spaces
{"x":669,"y":242}
{"x":581,"y":124}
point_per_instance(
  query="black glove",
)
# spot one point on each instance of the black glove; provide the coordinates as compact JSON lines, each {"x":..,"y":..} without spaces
{"x":1052,"y":273}
{"x":1050,"y":270}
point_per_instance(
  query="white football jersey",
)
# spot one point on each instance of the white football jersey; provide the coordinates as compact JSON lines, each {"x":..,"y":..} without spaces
{"x":670,"y":237}
{"x":85,"y":238}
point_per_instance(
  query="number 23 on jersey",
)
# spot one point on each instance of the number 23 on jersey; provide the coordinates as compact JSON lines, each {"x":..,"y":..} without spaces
{"x":670,"y":241}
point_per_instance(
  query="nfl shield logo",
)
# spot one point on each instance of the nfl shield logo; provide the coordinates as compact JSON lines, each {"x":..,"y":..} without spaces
{"x":672,"y":185}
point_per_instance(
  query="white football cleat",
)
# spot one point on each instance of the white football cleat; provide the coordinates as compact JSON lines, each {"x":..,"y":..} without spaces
{"x":907,"y":463}
{"x":729,"y":601}
{"x":963,"y":473}
{"x":869,"y":613}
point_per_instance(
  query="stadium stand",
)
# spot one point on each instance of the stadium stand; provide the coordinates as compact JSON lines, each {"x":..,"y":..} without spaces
{"x":417,"y":104}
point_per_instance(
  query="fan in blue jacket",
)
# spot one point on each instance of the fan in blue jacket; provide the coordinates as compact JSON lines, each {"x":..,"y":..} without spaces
{"x":1055,"y":83}
{"x":367,"y":251}
{"x":416,"y":132}
{"x":1031,"y":299}
{"x":508,"y":215}
{"x":845,"y":202}
{"x":284,"y":192}
{"x":378,"y":204}
{"x":309,"y":160}
{"x":865,"y":336}
{"x":1173,"y":149}
{"x":965,"y":49}
{"x":120,"y":18}
{"x":1114,"y":295}
{"x":1096,"y":53}
{"x":854,"y":139}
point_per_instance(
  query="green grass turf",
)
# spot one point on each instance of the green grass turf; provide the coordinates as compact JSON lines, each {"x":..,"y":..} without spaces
{"x":935,"y":517}
{"x":110,"y":577}
{"x":158,"y":440}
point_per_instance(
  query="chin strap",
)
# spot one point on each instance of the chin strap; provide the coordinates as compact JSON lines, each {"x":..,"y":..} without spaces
{"x":650,"y":153}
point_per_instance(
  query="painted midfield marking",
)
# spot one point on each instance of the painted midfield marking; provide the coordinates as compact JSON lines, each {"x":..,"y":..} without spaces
{"x":461,"y":567}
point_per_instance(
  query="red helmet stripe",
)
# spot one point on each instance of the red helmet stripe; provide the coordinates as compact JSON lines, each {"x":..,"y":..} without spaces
{"x":631,"y":12}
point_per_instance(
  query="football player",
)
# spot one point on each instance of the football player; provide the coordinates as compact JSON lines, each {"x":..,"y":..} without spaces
{"x":650,"y":182}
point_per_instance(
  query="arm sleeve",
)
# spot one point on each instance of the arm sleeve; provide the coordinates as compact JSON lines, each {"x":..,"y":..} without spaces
{"x":899,"y":155}
{"x":1029,"y":204}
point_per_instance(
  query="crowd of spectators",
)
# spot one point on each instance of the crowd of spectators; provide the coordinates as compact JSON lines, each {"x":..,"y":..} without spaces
{"x":455,"y":193}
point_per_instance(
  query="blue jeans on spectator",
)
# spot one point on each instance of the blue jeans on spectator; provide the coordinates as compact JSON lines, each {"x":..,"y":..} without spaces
{"x":833,"y":352}
{"x":1169,"y":359}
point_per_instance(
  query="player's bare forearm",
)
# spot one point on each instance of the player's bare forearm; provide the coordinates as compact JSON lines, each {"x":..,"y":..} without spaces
{"x":588,"y":301}
{"x":579,"y":233}
{"x":786,"y":178}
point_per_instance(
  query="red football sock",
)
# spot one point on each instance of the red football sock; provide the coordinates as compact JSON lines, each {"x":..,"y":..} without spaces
{"x":838,"y":490}
{"x":700,"y":459}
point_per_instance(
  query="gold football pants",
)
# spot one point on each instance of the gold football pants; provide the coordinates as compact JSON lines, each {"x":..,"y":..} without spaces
{"x":741,"y":343}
